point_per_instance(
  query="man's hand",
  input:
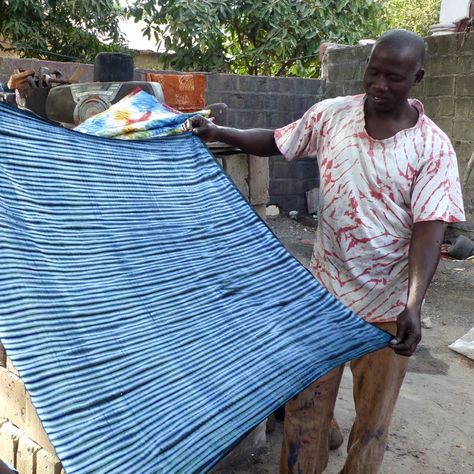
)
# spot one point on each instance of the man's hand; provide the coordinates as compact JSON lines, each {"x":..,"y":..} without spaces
{"x":202,"y":127}
{"x":254,"y":141}
{"x":423,"y":257}
{"x":408,"y":332}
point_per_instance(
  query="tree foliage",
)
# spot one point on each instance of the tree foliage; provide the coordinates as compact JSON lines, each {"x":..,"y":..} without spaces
{"x":52,"y":29}
{"x":265,"y":37}
{"x":415,"y":15}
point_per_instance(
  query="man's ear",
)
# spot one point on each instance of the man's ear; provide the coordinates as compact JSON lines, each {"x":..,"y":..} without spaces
{"x":419,"y":75}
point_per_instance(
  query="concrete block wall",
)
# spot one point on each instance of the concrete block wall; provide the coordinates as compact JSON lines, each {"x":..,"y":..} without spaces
{"x":23,"y":441}
{"x":447,"y":92}
{"x":271,"y":102}
{"x":448,"y":95}
{"x":343,"y":70}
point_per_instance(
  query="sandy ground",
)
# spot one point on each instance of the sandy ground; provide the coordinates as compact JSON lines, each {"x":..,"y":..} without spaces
{"x":433,"y":427}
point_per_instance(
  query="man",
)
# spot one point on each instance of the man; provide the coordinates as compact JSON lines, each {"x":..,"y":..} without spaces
{"x":389,"y":183}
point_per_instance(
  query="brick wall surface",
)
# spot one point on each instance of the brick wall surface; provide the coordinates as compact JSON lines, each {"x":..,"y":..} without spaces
{"x":271,"y":102}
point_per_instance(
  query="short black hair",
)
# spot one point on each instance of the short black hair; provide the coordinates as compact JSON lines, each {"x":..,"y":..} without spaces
{"x":404,"y":40}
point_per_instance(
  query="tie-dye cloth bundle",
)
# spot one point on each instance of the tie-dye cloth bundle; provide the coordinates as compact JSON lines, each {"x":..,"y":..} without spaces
{"x":138,"y":116}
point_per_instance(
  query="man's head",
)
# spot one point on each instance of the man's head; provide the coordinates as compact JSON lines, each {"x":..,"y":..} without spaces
{"x":395,"y":65}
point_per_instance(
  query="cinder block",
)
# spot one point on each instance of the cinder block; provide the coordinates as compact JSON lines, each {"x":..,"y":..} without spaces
{"x":418,"y":91}
{"x":253,"y":101}
{"x":465,"y":86}
{"x":34,"y":428}
{"x":234,"y":100}
{"x":340,"y":54}
{"x":237,"y":168}
{"x":445,"y":124}
{"x":250,"y":119}
{"x":303,"y":185}
{"x":284,"y":85}
{"x":333,"y":89}
{"x":444,"y":44}
{"x":221,"y":82}
{"x":253,"y":83}
{"x":439,"y":106}
{"x":309,"y":101}
{"x":9,"y":436}
{"x":47,"y":463}
{"x":436,"y":86}
{"x":441,"y":65}
{"x":213,"y":97}
{"x":26,"y":455}
{"x":279,"y":119}
{"x":297,"y":103}
{"x":261,"y":210}
{"x":466,"y":64}
{"x":464,"y":107}
{"x":12,"y":398}
{"x":352,"y":87}
{"x":464,"y":150}
{"x":346,"y":71}
{"x":308,"y":86}
{"x":463,"y":130}
{"x":298,"y":169}
{"x":281,"y":187}
{"x":466,"y":42}
{"x":285,"y":103}
{"x":258,"y":180}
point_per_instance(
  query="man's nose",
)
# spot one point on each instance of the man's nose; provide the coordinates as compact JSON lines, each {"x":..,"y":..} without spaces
{"x":380,"y":83}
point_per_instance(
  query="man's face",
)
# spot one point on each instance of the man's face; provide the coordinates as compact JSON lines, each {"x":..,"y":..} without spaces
{"x":389,"y":76}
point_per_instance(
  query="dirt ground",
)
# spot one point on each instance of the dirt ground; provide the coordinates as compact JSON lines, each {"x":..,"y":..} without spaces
{"x":432,"y":431}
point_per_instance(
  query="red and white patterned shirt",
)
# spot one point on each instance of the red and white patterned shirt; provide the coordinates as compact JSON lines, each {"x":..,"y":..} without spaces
{"x":371,"y":193}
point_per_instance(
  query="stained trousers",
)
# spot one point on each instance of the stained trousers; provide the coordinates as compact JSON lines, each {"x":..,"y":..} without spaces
{"x":377,"y":378}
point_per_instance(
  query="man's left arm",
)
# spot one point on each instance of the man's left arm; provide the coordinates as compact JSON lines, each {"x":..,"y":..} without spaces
{"x":423,"y":259}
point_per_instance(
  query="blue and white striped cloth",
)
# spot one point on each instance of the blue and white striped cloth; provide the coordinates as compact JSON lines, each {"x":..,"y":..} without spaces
{"x":153,"y":317}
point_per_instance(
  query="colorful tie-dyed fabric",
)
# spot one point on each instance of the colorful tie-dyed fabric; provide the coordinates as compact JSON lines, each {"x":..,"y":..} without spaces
{"x":152,"y":315}
{"x":137,"y":116}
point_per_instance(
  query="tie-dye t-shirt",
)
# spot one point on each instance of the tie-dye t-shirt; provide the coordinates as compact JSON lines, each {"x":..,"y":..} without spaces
{"x":371,"y":193}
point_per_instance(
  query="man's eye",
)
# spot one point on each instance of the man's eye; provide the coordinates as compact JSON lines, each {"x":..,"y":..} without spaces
{"x":395,"y":78}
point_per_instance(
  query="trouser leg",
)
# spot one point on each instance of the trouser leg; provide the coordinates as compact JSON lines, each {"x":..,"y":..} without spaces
{"x":307,"y":420}
{"x":377,"y":378}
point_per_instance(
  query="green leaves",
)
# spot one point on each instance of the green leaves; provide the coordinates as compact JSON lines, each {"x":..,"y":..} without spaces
{"x":265,"y":37}
{"x":49,"y":29}
{"x":416,"y":15}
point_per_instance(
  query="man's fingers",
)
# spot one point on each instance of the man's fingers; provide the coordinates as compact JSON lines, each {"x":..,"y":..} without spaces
{"x":399,"y":337}
{"x":406,"y":347}
{"x":404,"y":350}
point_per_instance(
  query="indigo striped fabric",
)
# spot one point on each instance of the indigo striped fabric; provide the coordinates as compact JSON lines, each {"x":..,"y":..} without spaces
{"x":153,"y":317}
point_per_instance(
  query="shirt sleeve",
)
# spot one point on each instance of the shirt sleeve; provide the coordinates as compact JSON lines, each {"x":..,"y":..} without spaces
{"x":299,"y":139}
{"x":436,"y":193}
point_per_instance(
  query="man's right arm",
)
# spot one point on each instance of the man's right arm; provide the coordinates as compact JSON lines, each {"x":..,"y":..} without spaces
{"x":255,"y":141}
